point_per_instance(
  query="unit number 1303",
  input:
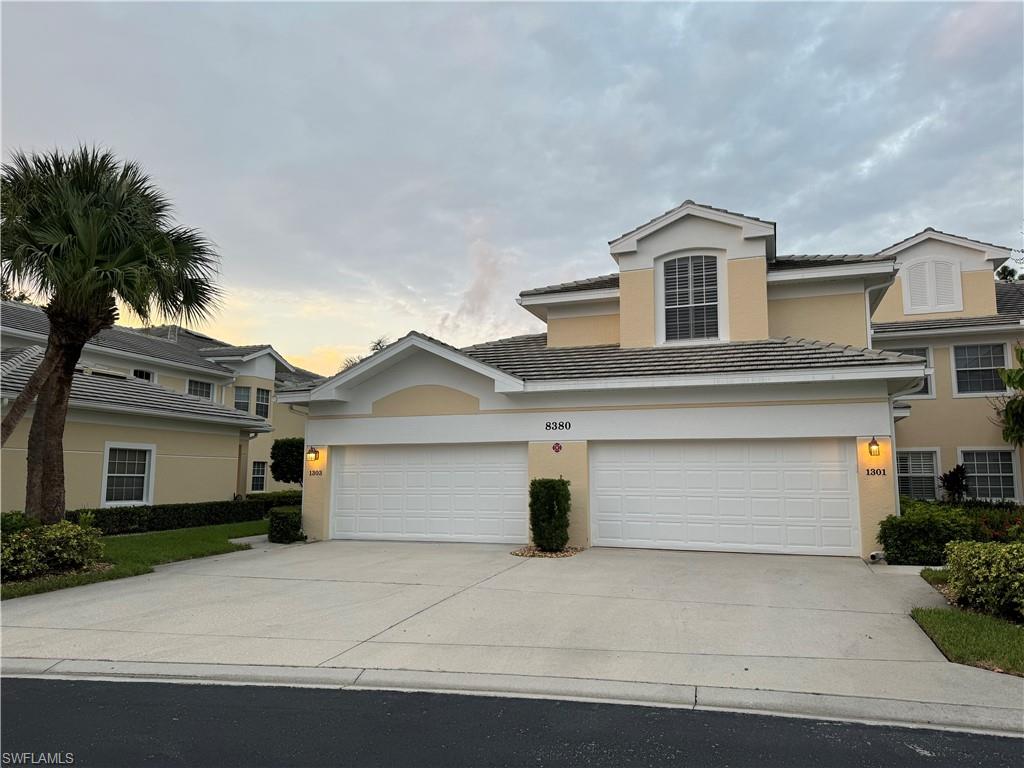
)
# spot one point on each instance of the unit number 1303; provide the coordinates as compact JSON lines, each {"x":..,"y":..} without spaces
{"x":557,"y":425}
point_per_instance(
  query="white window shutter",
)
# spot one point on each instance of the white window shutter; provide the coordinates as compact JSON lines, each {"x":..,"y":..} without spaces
{"x":917,"y":279}
{"x":945,"y":289}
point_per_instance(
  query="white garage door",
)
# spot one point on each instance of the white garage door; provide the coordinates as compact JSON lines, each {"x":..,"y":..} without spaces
{"x":796,"y":496}
{"x":431,"y":493}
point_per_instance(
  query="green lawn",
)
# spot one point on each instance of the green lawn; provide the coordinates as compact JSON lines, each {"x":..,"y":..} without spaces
{"x":974,"y":638}
{"x":935,"y":575}
{"x":137,"y":553}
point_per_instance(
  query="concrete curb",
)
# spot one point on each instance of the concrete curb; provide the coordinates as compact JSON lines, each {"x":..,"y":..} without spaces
{"x":878,"y":711}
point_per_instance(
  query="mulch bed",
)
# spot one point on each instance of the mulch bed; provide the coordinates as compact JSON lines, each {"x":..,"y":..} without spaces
{"x":532,"y":551}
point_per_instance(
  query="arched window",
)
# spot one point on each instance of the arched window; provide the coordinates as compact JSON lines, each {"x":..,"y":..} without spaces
{"x":691,"y":298}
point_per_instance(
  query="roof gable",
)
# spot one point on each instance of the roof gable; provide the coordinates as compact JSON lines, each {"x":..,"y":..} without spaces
{"x":991,"y":251}
{"x":751,"y":225}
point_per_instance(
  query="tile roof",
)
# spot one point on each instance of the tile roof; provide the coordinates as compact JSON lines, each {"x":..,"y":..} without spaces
{"x":26,"y":318}
{"x":947,"y":234}
{"x":1009,"y":298}
{"x":683,"y":205}
{"x":986,"y":321}
{"x":113,"y":393}
{"x":229,"y":350}
{"x":806,"y":260}
{"x":529,"y":358}
{"x":586,"y":284}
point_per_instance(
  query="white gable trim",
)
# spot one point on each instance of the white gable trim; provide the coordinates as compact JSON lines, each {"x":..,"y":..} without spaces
{"x":992,"y":252}
{"x":252,"y":356}
{"x":333,"y":388}
{"x":751,"y":227}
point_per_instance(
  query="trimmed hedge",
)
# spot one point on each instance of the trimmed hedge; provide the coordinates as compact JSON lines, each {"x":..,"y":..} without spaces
{"x":17,"y":521}
{"x":550,"y":502}
{"x":279,"y":498}
{"x":163,"y":517}
{"x":987,"y":577}
{"x":919,"y":536}
{"x":285,"y":525}
{"x":47,"y":549}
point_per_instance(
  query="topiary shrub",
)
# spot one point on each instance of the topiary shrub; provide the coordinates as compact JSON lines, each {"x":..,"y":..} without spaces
{"x":48,"y":549}
{"x":550,"y":502}
{"x":920,"y":534}
{"x":285,"y":525}
{"x":987,"y":577}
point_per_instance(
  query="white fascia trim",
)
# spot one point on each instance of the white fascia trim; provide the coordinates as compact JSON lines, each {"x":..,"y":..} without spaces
{"x":90,"y":406}
{"x":751,"y":228}
{"x":567,"y":297}
{"x":503,"y":382}
{"x":715,"y":379}
{"x":298,"y":396}
{"x":30,"y":336}
{"x":991,"y":251}
{"x":831,"y":273}
{"x":967,"y":331}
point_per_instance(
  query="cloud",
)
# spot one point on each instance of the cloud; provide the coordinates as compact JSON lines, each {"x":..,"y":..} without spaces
{"x":371,"y":169}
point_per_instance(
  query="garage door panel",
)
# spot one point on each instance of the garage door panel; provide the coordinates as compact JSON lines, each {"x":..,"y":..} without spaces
{"x":442,"y":493}
{"x":762,"y":496}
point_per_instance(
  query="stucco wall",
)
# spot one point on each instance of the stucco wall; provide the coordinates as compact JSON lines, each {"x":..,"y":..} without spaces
{"x":876,"y":488}
{"x":288,"y":421}
{"x":979,"y":295}
{"x":316,"y":496}
{"x":839,"y":318}
{"x":572,"y":463}
{"x":584,"y":330}
{"x":748,"y":299}
{"x":636,"y":308}
{"x":189,"y":465}
{"x":425,"y":400}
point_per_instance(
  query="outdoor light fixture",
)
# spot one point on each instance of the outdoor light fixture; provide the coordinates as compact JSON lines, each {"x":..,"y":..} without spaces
{"x":873,"y":448}
{"x":312,"y":454}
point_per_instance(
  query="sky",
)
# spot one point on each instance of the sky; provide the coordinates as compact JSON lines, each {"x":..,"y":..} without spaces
{"x":367,"y":170}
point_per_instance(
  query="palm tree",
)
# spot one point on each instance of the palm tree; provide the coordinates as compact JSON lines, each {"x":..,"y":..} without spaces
{"x":84,"y":232}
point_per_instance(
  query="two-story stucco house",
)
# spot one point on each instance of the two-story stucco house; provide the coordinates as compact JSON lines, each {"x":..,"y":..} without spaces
{"x":708,"y":394}
{"x":158,"y":415}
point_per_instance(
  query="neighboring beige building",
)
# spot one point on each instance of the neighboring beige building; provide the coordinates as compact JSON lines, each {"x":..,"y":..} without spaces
{"x":157,"y":416}
{"x":708,"y":394}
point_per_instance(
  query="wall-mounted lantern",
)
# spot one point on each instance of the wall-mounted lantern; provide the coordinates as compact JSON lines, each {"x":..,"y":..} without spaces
{"x":312,"y":454}
{"x":873,"y":448}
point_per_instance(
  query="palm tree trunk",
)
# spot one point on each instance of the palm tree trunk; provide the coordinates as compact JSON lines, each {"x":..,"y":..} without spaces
{"x":35,"y":383}
{"x":44,"y":490}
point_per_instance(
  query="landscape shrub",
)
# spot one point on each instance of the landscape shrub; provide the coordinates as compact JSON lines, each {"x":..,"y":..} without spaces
{"x":162,"y":517}
{"x":919,"y":535}
{"x":550,"y":502}
{"x":285,"y":525}
{"x":48,"y":549}
{"x":17,"y":521}
{"x":987,"y":577}
{"x":279,"y":498}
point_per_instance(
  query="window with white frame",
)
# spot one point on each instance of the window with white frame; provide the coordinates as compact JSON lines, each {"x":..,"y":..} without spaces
{"x":143,"y":374}
{"x":925,"y":352}
{"x":259,"y":475}
{"x":203,"y":389}
{"x":932,"y":286}
{"x":127,"y":473}
{"x":917,"y":474}
{"x":263,"y":403}
{"x":990,"y":474}
{"x":691,"y":298}
{"x":977,"y":368}
{"x":242,"y":395}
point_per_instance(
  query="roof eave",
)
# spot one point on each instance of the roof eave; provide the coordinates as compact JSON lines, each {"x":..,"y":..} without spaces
{"x":833,"y":272}
{"x":1010,"y":327}
{"x":752,"y":228}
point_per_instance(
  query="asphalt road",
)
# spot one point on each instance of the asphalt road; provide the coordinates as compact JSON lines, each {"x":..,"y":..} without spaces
{"x":155,"y":724}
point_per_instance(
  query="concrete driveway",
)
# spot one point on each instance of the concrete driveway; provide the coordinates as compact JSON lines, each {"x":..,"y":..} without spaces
{"x":731,"y":621}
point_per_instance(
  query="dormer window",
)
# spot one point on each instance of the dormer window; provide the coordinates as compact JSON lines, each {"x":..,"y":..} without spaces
{"x":691,"y":298}
{"x":932,"y":286}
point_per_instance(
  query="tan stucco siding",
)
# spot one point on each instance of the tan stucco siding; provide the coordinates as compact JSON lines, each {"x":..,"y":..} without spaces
{"x":839,"y":318}
{"x":288,"y":421}
{"x":748,"y":299}
{"x":583,"y":331}
{"x":571,"y":462}
{"x":190,"y":466}
{"x":253,"y":383}
{"x":316,"y":496}
{"x":979,"y":296}
{"x":946,"y":422}
{"x":636,"y":308}
{"x":876,"y":489}
{"x":426,"y":400}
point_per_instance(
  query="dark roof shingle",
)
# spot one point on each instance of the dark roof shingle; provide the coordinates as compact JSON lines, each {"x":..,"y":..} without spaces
{"x":586,"y":284}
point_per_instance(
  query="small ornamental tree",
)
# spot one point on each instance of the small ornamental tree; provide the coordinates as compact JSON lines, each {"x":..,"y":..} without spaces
{"x":954,"y":484}
{"x":1010,"y":409}
{"x":286,"y":459}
